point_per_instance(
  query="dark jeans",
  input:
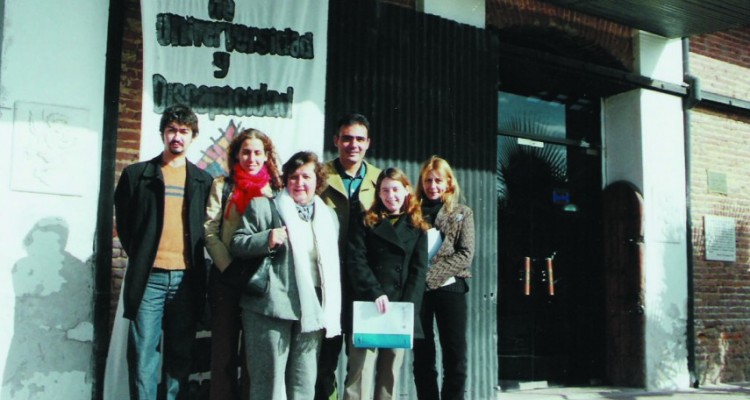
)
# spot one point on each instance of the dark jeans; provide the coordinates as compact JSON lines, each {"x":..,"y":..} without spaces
{"x":449,"y":310}
{"x":327,"y":363}
{"x":165,"y":306}
{"x":226,"y":327}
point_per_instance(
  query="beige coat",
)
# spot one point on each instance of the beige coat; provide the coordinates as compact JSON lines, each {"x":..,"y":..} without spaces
{"x":335,"y":196}
{"x":218,"y":233}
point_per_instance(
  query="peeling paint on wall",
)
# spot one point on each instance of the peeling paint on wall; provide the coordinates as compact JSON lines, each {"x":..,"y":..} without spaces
{"x":667,"y":334}
{"x":50,"y":354}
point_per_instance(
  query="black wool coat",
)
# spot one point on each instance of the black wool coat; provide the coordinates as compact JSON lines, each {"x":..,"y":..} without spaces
{"x":139,"y":213}
{"x":386,"y":259}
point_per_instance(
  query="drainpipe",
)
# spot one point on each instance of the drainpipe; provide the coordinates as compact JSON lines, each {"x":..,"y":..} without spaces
{"x":693,"y":97}
{"x":104,"y":223}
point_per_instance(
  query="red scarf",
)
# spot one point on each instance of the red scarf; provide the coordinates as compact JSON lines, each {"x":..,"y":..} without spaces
{"x":247,"y":187}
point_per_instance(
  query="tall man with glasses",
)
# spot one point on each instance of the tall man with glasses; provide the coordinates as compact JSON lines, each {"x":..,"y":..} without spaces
{"x":160,"y":207}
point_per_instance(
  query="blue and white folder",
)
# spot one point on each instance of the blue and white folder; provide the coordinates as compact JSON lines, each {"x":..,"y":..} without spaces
{"x":392,"y":330}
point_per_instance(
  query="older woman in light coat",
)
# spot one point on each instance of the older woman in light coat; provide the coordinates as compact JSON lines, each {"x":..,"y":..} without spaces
{"x":285,"y":326}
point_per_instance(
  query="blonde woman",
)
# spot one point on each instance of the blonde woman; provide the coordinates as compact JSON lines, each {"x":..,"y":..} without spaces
{"x":445,"y":298}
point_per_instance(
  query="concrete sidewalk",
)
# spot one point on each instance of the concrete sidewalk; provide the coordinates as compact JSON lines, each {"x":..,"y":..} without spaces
{"x":719,"y":392}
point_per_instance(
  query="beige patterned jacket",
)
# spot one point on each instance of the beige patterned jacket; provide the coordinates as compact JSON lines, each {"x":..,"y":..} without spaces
{"x":455,"y":254}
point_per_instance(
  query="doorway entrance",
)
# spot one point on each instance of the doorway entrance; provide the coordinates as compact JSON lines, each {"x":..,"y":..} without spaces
{"x":550,"y":274}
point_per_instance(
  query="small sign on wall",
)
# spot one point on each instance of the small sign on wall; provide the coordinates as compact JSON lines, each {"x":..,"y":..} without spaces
{"x":53,"y":149}
{"x":717,"y":182}
{"x":720,"y":234}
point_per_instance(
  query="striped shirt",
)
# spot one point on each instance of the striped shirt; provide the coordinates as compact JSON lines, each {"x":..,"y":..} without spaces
{"x":171,"y":253}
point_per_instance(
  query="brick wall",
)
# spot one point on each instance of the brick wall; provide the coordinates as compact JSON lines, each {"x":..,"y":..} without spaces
{"x":722,"y":62}
{"x":613,"y":38}
{"x":730,"y":46}
{"x":129,"y":124}
{"x":721,"y":143}
{"x":720,"y":76}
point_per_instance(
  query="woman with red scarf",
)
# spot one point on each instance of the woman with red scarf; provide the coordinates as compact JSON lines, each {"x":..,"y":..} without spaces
{"x":253,"y":172}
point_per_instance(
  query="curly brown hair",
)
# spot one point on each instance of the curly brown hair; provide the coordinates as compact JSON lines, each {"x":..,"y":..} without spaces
{"x":272,"y":164}
{"x":301,"y":158}
{"x":411,"y":206}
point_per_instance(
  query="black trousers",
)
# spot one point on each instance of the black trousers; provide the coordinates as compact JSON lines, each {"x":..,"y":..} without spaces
{"x":449,"y":310}
{"x":327,"y":363}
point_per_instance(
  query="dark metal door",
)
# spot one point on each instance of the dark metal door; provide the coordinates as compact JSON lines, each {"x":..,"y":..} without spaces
{"x":551,"y":298}
{"x":623,"y":257}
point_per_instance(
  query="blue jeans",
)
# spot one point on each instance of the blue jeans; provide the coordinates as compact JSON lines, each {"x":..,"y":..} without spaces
{"x":165,"y":306}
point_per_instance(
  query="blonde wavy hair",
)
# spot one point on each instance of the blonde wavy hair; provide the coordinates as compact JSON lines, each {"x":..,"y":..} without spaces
{"x":452,"y":192}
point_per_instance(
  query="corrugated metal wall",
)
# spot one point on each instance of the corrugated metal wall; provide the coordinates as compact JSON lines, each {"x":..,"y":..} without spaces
{"x":428,"y":86}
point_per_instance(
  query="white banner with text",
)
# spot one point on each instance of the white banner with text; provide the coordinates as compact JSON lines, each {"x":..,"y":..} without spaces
{"x":256,"y":64}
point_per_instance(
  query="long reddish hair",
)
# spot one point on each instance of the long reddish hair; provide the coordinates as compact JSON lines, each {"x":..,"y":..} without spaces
{"x":411,"y":207}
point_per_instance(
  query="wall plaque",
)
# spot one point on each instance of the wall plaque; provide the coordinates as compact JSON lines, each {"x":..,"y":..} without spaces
{"x":53,"y":149}
{"x":720,"y":234}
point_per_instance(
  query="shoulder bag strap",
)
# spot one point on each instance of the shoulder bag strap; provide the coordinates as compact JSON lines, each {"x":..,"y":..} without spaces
{"x":226,"y":190}
{"x":275,"y":217}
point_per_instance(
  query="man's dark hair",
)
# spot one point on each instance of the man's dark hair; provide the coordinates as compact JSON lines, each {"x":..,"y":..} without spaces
{"x":352,"y":119}
{"x":180,"y":114}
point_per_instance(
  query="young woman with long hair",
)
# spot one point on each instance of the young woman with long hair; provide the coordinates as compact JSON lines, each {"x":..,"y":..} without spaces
{"x":253,"y":172}
{"x":445,"y":298}
{"x":386,"y":261}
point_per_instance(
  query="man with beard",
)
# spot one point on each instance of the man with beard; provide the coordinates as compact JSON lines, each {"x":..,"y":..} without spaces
{"x":160,"y":207}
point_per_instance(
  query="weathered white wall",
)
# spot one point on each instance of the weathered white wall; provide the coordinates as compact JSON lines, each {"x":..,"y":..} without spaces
{"x":51,"y":106}
{"x":657,"y":57}
{"x":470,"y":12}
{"x":644,"y":140}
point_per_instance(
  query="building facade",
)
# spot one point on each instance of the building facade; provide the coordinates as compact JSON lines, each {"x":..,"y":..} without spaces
{"x":604,"y":163}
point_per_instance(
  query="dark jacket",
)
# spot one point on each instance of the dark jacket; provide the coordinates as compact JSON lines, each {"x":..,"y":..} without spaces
{"x":139,"y":212}
{"x":336,"y":197}
{"x":387,"y":259}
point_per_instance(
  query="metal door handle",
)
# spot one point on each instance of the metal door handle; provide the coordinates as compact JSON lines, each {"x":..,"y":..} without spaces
{"x":550,"y":277}
{"x":527,"y":276}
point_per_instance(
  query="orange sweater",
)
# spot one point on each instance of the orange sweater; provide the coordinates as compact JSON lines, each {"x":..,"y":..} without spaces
{"x":171,"y":252}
